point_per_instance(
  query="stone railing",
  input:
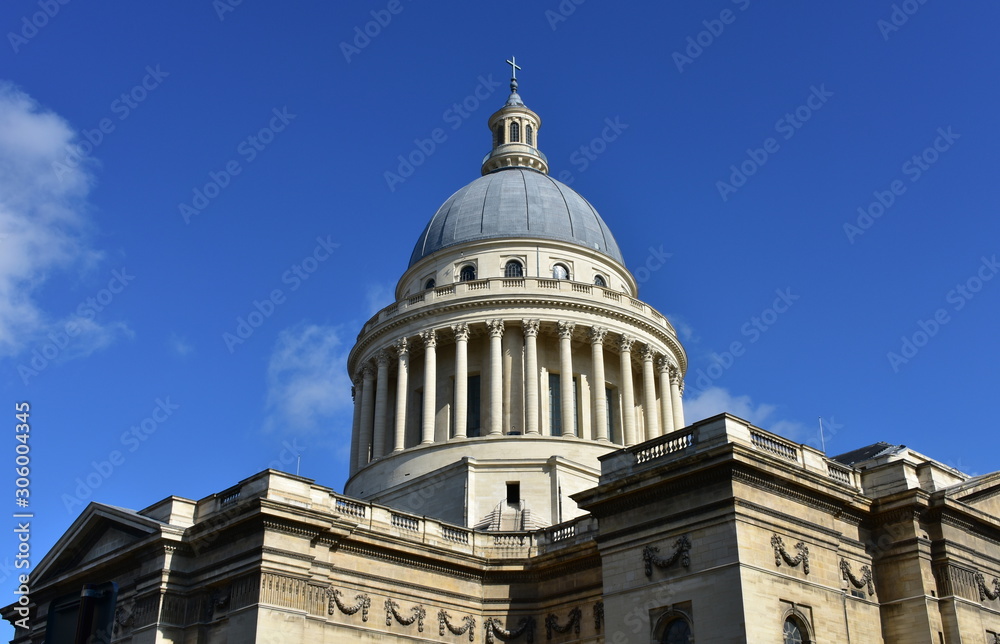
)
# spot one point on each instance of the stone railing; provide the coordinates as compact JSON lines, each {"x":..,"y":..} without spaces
{"x":545,"y":288}
{"x":719,"y":431}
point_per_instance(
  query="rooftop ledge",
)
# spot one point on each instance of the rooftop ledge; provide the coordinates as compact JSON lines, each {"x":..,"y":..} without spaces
{"x":537,"y":288}
{"x":290,"y":491}
{"x":721,"y":430}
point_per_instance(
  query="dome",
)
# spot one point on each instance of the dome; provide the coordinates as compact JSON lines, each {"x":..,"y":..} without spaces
{"x":519,"y":203}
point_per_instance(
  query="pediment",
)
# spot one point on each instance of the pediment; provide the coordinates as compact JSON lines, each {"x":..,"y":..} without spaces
{"x":100,"y":531}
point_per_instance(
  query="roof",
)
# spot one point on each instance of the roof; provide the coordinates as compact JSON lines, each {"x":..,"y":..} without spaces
{"x":516,"y":203}
{"x":867,"y":453}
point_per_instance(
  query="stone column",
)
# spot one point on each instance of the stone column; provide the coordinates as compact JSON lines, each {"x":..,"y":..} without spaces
{"x":676,"y":388}
{"x":566,"y":376}
{"x":403,"y":364}
{"x":666,"y":408}
{"x":461,"y":378}
{"x":381,"y":404}
{"x":530,"y":375}
{"x":649,"y":408}
{"x":430,"y":386}
{"x":367,"y":414}
{"x":496,"y":377}
{"x":597,"y":334}
{"x":628,"y":397}
{"x":356,"y":422}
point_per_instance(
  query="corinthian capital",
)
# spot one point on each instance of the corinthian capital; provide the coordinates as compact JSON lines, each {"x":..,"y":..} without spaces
{"x":461,"y":331}
{"x":597,"y":334}
{"x":429,"y":337}
{"x":625,"y":343}
{"x":648,"y":353}
{"x":402,"y":346}
{"x":566,"y":329}
{"x":530,"y":328}
{"x":496,"y":328}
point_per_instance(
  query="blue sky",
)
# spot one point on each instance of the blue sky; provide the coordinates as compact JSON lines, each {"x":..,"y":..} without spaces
{"x":807,"y":191}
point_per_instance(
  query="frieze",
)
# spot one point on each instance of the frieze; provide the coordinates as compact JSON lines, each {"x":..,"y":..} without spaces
{"x":552,"y":623}
{"x":525,"y":627}
{"x":362,"y":603}
{"x":682,"y":549}
{"x":866,"y":578}
{"x":468,"y":625}
{"x":392,"y":612}
{"x":780,"y":553}
{"x":767,"y":482}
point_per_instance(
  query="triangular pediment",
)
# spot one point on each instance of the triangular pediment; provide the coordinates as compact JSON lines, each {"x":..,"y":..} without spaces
{"x":99,"y":532}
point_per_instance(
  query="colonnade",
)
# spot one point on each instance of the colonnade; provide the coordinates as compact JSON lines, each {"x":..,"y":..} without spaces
{"x":370,"y":432}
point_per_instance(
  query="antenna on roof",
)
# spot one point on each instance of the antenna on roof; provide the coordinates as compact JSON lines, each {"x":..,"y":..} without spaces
{"x":822,"y":439}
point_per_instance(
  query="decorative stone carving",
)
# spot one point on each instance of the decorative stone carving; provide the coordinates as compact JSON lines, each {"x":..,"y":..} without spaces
{"x":382,"y":359}
{"x":984,"y":590}
{"x":597,"y":334}
{"x":866,"y":576}
{"x":364,"y":602}
{"x":781,"y":553}
{"x":663,"y":364}
{"x":598,"y":615}
{"x":625,"y":343}
{"x":530,"y":328}
{"x":402,"y":346}
{"x":682,"y":548}
{"x":367,"y":372}
{"x":648,"y":353}
{"x":392,"y":612}
{"x":429,"y":337}
{"x":444,"y":621}
{"x":552,"y":623}
{"x":461,"y":331}
{"x":125,"y":617}
{"x":565,"y":329}
{"x":495,"y":327}
{"x":493,"y":629}
{"x":675,"y":376}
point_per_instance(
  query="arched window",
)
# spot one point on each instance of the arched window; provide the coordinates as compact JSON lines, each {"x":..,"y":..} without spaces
{"x":560,"y":272}
{"x":500,"y":133}
{"x":513,"y":268}
{"x":430,"y":284}
{"x":678,"y":632}
{"x":467,"y":274}
{"x":599,"y":281}
{"x":529,"y":134}
{"x":795,"y":632}
{"x":515,"y":132}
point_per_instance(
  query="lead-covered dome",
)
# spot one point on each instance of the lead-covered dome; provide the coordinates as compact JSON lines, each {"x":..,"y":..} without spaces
{"x":516,"y":203}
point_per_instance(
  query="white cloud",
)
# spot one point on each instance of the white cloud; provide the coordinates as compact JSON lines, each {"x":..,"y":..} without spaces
{"x":716,"y":400}
{"x":307,"y":380}
{"x":180,"y":345}
{"x":44,"y":228}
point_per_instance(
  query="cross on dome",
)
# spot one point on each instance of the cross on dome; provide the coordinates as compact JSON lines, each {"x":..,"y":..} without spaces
{"x":513,"y":67}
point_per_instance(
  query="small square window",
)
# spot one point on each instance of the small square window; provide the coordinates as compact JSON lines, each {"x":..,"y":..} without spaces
{"x":513,"y":492}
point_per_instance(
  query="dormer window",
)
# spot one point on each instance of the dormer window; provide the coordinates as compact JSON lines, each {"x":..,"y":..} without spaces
{"x":515,"y":132}
{"x":599,"y":281}
{"x":560,"y":272}
{"x":430,"y":284}
{"x":467,"y":274}
{"x":513,"y":268}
